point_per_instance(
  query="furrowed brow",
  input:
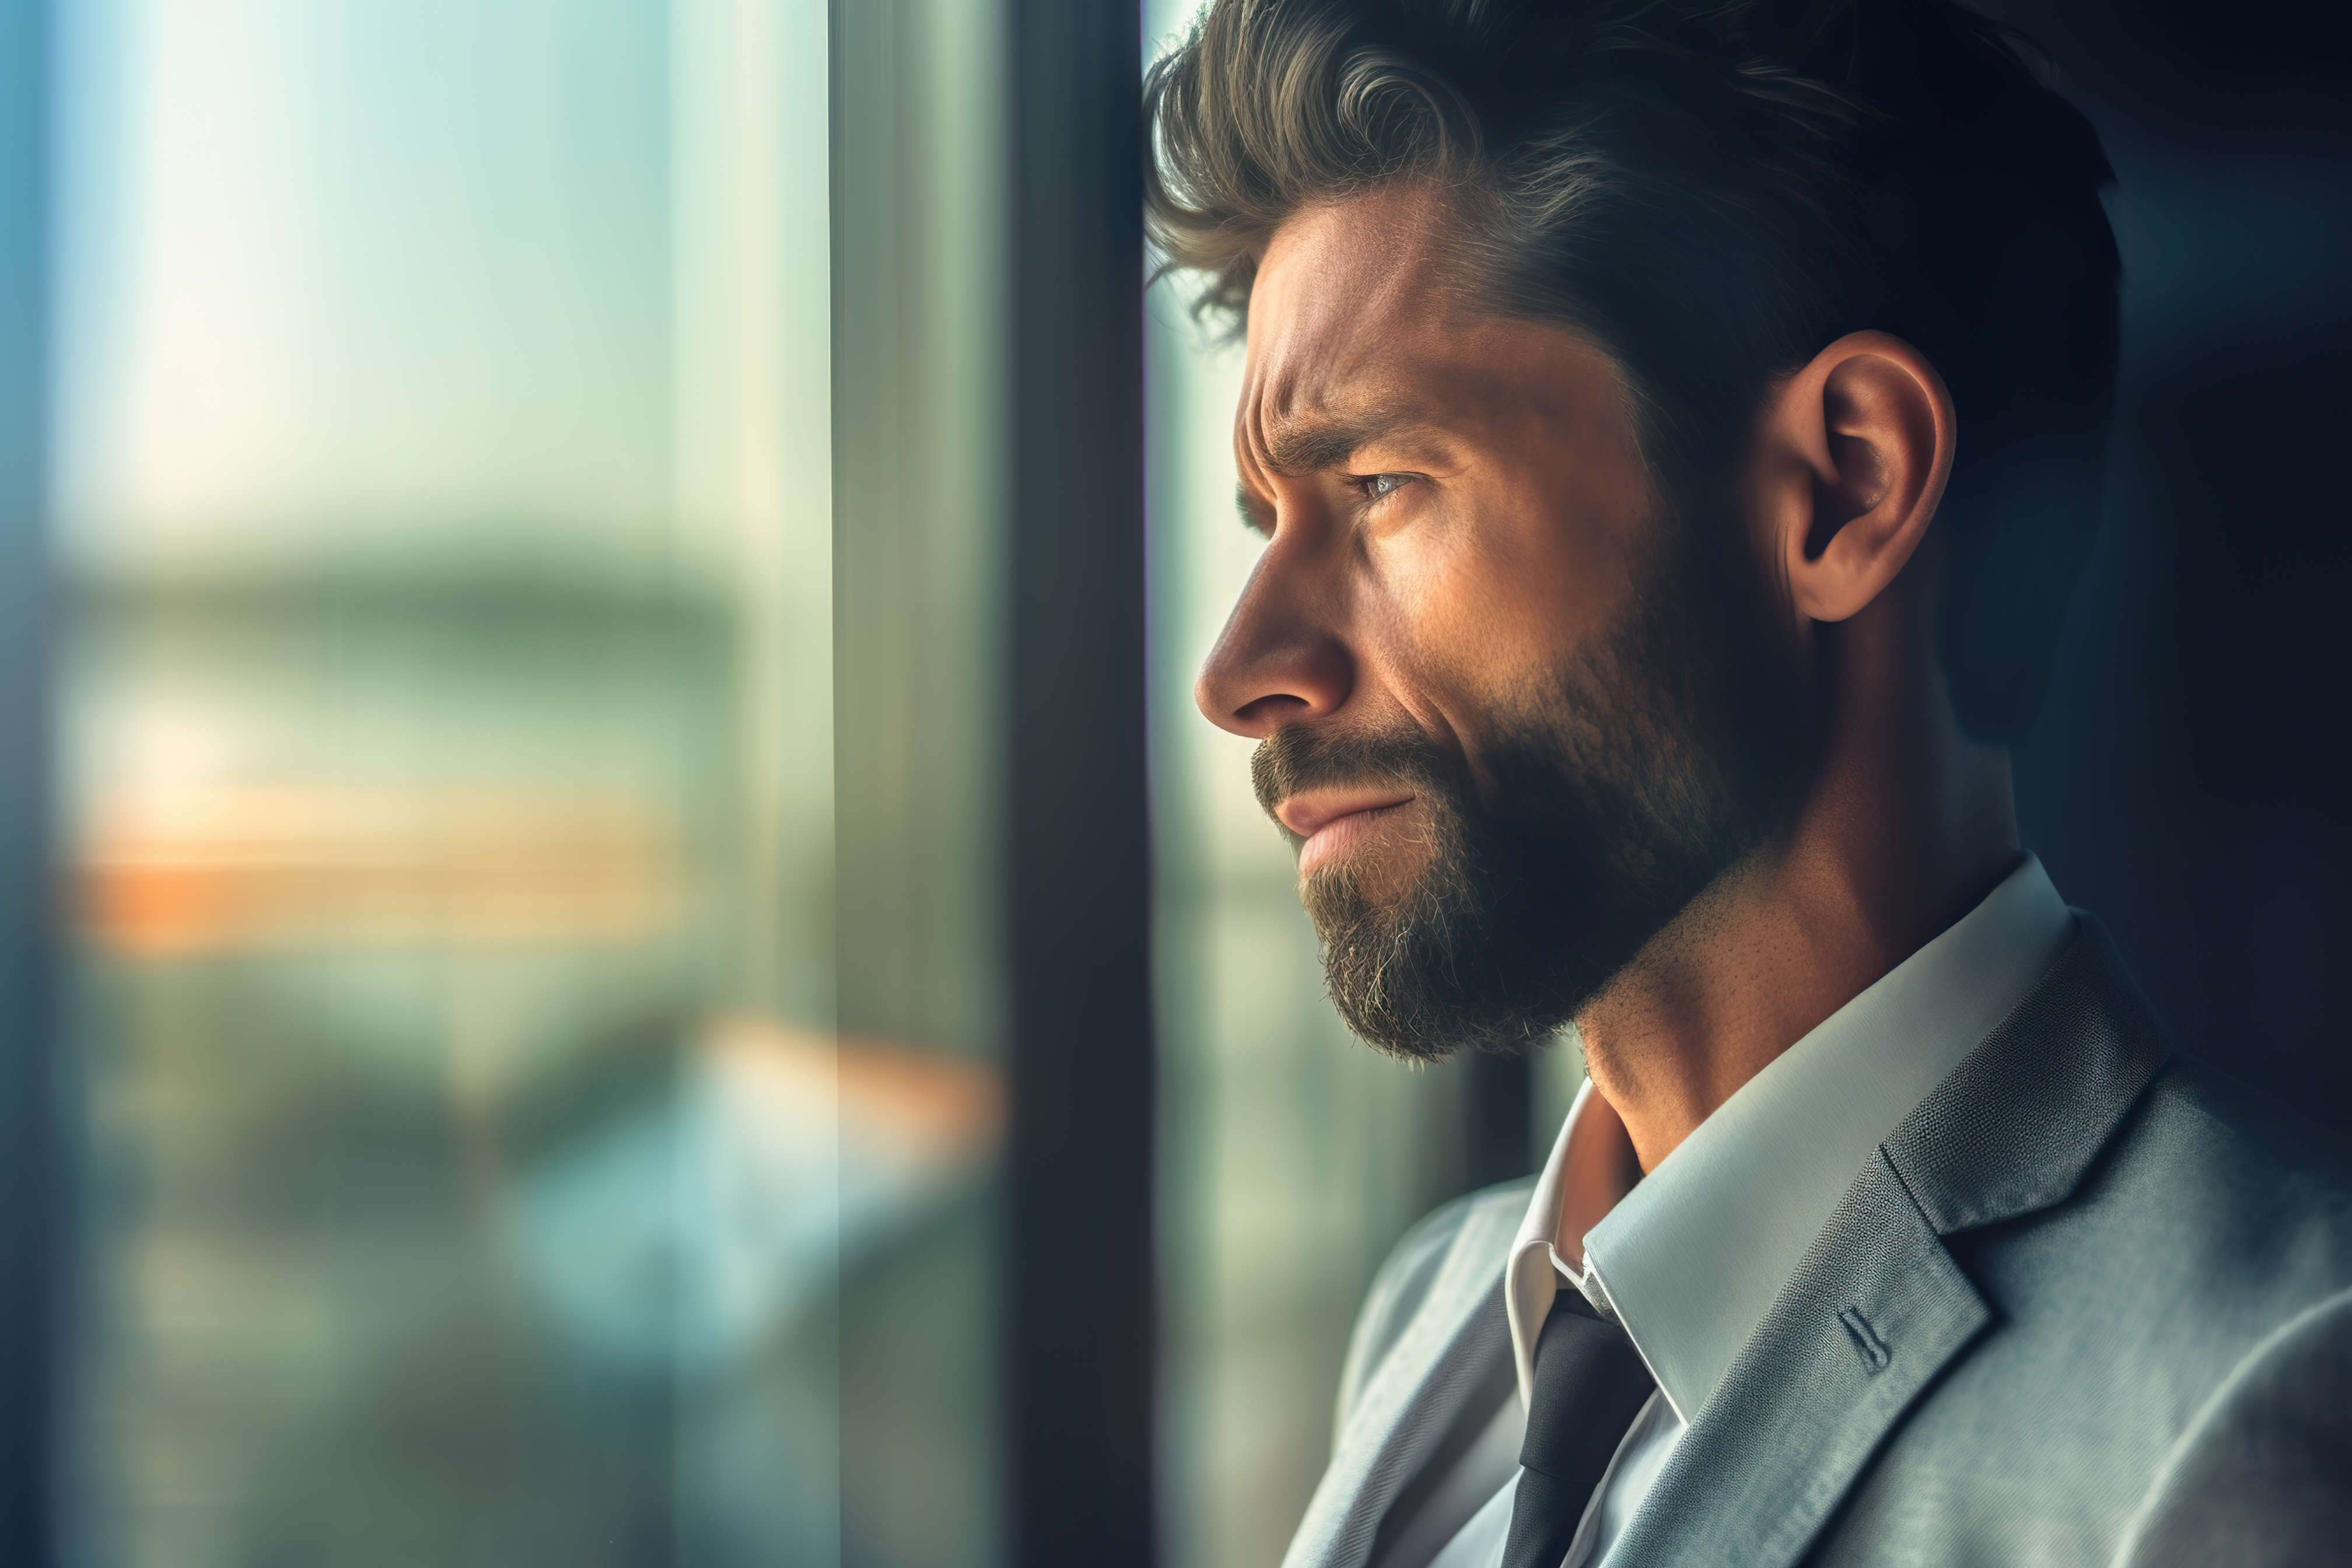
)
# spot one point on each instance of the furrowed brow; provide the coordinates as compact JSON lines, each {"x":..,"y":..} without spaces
{"x":1312,"y":443}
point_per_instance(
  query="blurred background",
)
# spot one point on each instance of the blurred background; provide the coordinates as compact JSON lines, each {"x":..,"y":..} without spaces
{"x":502,"y":1134}
{"x":2187,"y":782}
{"x":527,"y":508}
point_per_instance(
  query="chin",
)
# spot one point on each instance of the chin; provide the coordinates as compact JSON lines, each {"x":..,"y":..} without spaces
{"x":1379,"y":876}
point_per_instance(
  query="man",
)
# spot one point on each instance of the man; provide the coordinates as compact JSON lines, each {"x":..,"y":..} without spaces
{"x":1675,"y":428}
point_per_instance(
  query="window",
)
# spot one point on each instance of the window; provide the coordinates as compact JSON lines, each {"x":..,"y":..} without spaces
{"x":528,"y":485}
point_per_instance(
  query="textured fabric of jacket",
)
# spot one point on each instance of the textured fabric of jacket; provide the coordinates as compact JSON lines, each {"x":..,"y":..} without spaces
{"x":2090,"y":1303}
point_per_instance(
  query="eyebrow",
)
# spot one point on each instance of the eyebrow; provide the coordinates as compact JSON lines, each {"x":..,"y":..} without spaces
{"x":1309,"y":443}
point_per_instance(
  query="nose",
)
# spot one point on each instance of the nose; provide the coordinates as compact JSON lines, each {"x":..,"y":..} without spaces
{"x":1279,"y":659}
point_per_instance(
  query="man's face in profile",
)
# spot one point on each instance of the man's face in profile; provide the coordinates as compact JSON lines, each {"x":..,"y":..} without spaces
{"x":1516,"y":707}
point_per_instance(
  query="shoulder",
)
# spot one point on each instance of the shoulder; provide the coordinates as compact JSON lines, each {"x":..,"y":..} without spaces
{"x":2159,"y":1309}
{"x":2214,"y":1215}
{"x":2254,"y":1118}
{"x":1402,"y":1283}
{"x":2264,"y":1474}
{"x":2232,"y":1162}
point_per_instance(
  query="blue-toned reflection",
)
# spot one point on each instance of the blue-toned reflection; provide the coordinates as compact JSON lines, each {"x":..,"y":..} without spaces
{"x":677,"y":1238}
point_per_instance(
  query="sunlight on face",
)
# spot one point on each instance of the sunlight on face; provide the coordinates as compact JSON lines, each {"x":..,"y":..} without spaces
{"x":1486,"y":670}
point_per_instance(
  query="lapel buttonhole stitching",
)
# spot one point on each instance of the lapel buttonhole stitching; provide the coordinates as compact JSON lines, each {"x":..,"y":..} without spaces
{"x":1866,"y":1343}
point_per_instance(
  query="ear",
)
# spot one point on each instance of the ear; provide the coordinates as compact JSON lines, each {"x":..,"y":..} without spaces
{"x":1849,"y":467}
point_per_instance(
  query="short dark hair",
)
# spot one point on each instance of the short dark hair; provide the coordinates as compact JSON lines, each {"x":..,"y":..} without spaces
{"x":1712,"y":194}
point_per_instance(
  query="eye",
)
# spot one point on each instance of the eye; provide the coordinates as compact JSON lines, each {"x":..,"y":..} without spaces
{"x":1379,"y":487}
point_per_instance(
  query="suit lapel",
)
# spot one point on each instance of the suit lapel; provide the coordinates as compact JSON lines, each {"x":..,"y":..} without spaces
{"x":2025,"y":1114}
{"x":1872,"y":1314}
{"x":1877,"y":1309}
{"x":1446,"y":1354}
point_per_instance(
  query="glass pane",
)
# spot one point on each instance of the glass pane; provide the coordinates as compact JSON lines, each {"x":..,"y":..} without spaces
{"x":1292,"y":1157}
{"x":519,"y":1127}
{"x":918,"y":435}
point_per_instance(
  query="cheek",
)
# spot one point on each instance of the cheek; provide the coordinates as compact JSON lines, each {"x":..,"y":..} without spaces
{"x":1486,"y":610}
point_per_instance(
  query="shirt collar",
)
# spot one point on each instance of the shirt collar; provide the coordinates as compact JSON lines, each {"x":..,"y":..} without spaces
{"x":1532,"y":1275}
{"x":1690,"y":1260}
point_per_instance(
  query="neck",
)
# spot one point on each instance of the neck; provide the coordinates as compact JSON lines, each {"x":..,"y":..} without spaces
{"x":1904,"y":826}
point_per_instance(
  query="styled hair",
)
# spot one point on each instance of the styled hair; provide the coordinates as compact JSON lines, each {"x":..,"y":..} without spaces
{"x":1712,"y":194}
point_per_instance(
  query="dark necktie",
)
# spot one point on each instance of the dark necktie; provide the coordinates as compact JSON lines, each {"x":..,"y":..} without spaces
{"x":1589,"y":1384}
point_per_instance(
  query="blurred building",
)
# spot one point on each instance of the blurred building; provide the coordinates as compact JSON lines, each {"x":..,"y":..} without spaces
{"x":471,"y":1170}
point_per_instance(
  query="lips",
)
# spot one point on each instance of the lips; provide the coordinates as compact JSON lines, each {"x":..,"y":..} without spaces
{"x":1330,"y":822}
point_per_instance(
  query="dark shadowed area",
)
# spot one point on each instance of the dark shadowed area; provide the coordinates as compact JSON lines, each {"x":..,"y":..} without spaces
{"x":2185,"y":782}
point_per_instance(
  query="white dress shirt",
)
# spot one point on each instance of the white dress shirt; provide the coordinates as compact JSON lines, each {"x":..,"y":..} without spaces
{"x":1693,"y":1257}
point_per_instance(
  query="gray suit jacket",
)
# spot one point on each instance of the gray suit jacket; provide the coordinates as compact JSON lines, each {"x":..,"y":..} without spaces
{"x":2111,"y":1293}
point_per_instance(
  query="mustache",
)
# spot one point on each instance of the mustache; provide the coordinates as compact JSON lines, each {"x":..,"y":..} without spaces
{"x":1297,"y":758}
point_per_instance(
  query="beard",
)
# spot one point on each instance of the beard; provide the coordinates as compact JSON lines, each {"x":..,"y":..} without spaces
{"x":1604,"y":802}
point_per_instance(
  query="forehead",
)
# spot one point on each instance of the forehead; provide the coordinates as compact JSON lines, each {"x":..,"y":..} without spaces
{"x":1350,"y":293}
{"x":1359,"y":308}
